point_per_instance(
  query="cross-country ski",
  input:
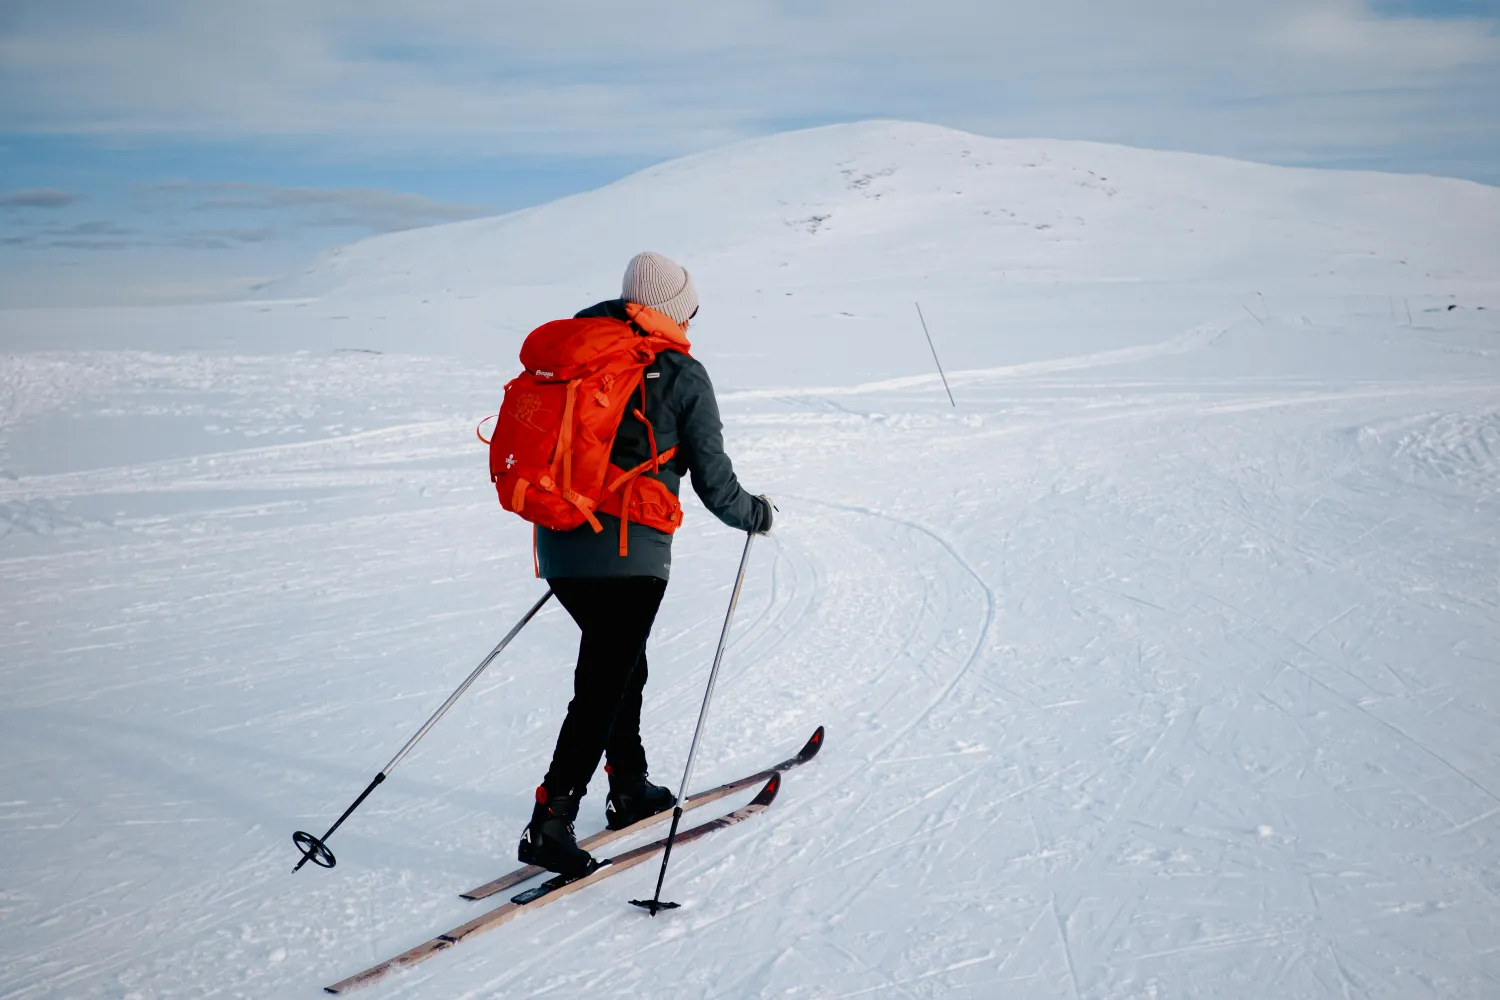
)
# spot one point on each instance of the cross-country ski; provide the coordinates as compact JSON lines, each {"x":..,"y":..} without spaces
{"x":555,"y":889}
{"x":606,"y":836}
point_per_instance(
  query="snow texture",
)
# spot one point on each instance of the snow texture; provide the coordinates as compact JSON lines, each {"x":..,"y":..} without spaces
{"x":1165,"y":665}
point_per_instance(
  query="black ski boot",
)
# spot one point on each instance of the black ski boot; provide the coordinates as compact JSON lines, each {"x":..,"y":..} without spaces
{"x":548,"y":840}
{"x":632,"y":798}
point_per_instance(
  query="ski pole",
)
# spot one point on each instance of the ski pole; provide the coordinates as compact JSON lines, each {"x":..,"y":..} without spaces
{"x":315,"y":849}
{"x":655,"y":902}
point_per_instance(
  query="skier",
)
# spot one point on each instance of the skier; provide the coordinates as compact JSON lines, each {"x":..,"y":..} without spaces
{"x":611,"y":581}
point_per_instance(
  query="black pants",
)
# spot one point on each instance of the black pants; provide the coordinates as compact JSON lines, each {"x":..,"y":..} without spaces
{"x":615,"y":615}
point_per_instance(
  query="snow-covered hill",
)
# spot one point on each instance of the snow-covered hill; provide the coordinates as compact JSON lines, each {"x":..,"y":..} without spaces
{"x":1161,"y":666}
{"x":915,"y":203}
{"x":809,"y":247}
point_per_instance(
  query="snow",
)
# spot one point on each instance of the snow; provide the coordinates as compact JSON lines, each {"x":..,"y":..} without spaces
{"x":1162,"y":666}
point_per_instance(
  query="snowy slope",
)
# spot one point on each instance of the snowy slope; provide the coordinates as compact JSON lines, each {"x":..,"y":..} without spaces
{"x":918,"y":201}
{"x":1162,"y":666}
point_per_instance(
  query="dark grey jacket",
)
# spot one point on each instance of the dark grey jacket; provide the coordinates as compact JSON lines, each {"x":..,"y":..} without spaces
{"x":682,"y":409}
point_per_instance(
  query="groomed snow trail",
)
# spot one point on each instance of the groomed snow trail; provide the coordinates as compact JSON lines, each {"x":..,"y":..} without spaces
{"x":1162,"y":666}
{"x":1135,"y":686}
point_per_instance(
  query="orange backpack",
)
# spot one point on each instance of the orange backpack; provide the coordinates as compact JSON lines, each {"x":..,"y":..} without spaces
{"x":549,"y":453}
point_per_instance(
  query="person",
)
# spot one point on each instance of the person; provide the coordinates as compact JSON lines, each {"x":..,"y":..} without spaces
{"x":613,"y":591}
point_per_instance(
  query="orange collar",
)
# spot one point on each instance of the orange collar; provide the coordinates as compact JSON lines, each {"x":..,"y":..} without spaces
{"x":658,"y":324}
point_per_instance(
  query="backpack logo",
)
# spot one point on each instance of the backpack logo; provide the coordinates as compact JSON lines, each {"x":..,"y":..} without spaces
{"x":526,"y":409}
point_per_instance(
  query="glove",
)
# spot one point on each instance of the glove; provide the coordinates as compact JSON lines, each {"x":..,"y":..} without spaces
{"x":766,"y":515}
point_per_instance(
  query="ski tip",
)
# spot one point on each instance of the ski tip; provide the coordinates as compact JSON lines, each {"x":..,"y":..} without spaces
{"x":812,"y":746}
{"x":768,"y":793}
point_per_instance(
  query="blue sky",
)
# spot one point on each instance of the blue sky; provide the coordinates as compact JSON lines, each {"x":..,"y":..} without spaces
{"x":159,"y":150}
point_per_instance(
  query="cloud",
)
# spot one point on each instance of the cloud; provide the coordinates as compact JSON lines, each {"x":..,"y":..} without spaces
{"x":104,"y":234}
{"x":240,"y":234}
{"x":227,"y":238}
{"x":574,"y":78}
{"x":373,"y":209}
{"x":87,"y":244}
{"x":38,"y":198}
{"x":249,"y":215}
{"x":1392,"y":46}
{"x":96,"y":234}
{"x":95,"y":227}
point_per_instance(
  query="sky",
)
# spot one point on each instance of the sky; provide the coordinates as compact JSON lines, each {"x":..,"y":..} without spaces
{"x":180,"y":150}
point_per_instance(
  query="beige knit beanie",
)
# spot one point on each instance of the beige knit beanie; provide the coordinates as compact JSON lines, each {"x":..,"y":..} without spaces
{"x":653,"y":280}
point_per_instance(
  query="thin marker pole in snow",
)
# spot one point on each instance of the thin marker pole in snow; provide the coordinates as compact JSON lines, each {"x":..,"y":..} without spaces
{"x":315,"y":849}
{"x":654,"y":904}
{"x":935,"y":357}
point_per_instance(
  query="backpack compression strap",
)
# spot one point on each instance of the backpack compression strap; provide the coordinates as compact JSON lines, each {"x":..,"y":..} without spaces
{"x":564,"y":455}
{"x":652,"y":464}
{"x":627,"y":479}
